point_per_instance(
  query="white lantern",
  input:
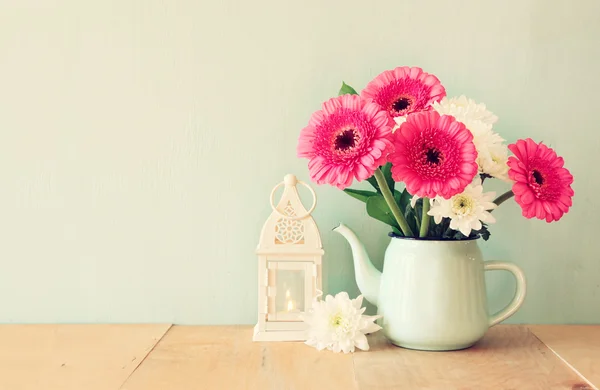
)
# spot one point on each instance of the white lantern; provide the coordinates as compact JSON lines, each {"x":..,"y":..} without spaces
{"x":289,"y":266}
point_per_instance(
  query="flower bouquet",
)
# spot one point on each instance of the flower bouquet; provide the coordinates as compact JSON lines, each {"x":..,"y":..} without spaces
{"x":403,"y":129}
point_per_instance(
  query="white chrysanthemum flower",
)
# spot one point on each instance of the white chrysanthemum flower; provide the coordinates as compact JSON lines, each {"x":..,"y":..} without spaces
{"x":479,"y":121}
{"x":474,"y":116}
{"x":483,"y":135}
{"x":466,"y":210}
{"x":465,"y":110}
{"x":494,"y":162}
{"x":338,"y":324}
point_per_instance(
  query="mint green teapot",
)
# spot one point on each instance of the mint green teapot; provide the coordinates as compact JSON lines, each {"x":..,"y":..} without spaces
{"x":431,"y":294}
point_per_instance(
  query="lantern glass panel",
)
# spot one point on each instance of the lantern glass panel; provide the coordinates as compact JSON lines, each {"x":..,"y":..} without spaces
{"x":290,"y":291}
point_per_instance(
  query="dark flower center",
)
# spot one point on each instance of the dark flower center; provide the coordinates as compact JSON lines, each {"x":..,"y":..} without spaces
{"x":345,"y":140}
{"x":433,"y":156}
{"x":401,"y":104}
{"x":537,"y":176}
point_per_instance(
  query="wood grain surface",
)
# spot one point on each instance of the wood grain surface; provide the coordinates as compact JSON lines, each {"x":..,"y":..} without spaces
{"x":509,"y":357}
{"x":77,"y":357}
{"x":577,"y":345}
{"x":224,"y":357}
{"x":130,"y":357}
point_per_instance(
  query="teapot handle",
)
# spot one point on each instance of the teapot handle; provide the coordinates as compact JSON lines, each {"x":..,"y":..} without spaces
{"x":520,"y":292}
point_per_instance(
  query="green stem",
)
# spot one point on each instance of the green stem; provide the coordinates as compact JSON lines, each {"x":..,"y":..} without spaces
{"x":389,"y":198}
{"x":425,"y":219}
{"x":504,"y":197}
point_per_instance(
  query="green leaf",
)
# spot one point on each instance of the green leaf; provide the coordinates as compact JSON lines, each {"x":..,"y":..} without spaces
{"x":377,"y":208}
{"x":347,"y":90}
{"x":418,"y":213}
{"x":361,"y":195}
{"x":483,"y":232}
{"x":398,"y":198}
{"x":436,"y":229}
{"x":404,"y":201}
{"x":448,"y":233}
{"x":387,"y":173}
{"x":409,"y":215}
{"x":373,"y":182}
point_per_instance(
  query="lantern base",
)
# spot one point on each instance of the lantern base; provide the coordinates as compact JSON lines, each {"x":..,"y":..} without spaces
{"x":278,"y":335}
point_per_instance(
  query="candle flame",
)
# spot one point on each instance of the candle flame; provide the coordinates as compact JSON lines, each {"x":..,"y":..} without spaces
{"x":290,"y":303}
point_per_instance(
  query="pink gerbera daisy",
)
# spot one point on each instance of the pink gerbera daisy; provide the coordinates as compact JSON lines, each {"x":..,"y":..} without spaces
{"x":542,"y":185}
{"x":347,"y":139}
{"x":434,"y":155}
{"x":404,"y":90}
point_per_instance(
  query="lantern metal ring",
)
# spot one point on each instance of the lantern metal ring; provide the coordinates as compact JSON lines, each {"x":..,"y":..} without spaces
{"x":296,"y":217}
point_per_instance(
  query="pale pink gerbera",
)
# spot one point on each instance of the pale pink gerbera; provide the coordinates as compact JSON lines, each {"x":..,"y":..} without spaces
{"x":347,"y":139}
{"x":404,"y":90}
{"x":434,"y":155}
{"x":542,"y":185}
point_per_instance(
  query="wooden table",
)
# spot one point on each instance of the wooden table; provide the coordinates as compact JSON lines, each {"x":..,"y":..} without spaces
{"x":164,"y":357}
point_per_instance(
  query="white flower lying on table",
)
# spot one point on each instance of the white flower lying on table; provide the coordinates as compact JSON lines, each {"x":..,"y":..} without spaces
{"x":338,"y":324}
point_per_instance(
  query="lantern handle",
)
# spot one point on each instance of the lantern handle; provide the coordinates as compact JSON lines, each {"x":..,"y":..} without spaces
{"x":308,"y":213}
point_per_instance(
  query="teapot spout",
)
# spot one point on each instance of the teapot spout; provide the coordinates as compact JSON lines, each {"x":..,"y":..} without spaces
{"x":368,"y":277}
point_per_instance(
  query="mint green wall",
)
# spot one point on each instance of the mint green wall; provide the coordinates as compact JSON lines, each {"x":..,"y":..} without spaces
{"x":139,"y":140}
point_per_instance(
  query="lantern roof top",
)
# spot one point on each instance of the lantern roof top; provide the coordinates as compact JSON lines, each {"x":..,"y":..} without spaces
{"x":290,"y":229}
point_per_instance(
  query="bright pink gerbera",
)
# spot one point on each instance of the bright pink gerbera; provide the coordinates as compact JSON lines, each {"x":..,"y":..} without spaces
{"x":542,"y":185}
{"x":347,"y":139}
{"x":404,"y":90}
{"x":434,"y":155}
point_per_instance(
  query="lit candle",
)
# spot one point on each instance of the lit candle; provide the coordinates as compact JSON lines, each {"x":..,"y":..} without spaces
{"x":291,"y":304}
